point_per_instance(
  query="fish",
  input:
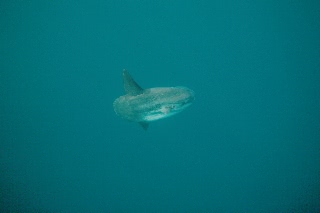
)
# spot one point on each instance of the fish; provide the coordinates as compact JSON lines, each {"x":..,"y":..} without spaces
{"x":147,"y":105}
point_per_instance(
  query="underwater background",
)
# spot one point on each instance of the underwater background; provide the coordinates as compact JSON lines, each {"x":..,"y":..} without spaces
{"x":249,"y":143}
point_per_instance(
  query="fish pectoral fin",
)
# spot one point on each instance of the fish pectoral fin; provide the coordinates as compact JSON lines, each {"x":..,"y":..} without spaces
{"x":144,"y":125}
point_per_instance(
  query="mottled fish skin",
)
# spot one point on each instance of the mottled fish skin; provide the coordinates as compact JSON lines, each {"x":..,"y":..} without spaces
{"x":146,"y":105}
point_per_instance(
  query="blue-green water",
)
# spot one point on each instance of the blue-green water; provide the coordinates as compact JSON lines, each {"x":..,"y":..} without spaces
{"x":249,"y":143}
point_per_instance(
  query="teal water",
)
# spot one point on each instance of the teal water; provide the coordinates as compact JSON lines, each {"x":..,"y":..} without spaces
{"x":249,"y":143}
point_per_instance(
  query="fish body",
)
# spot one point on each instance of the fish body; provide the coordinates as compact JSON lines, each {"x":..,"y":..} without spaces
{"x":147,"y":105}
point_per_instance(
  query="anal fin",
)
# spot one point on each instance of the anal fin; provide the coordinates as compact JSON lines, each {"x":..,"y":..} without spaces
{"x":144,"y":125}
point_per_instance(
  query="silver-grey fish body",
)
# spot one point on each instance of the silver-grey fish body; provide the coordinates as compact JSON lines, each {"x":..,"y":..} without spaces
{"x":146,"y":105}
{"x":153,"y":104}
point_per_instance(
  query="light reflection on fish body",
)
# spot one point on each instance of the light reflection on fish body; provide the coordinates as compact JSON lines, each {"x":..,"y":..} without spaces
{"x":146,"y":105}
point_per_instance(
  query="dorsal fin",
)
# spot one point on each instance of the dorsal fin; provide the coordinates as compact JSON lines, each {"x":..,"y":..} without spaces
{"x":130,"y":86}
